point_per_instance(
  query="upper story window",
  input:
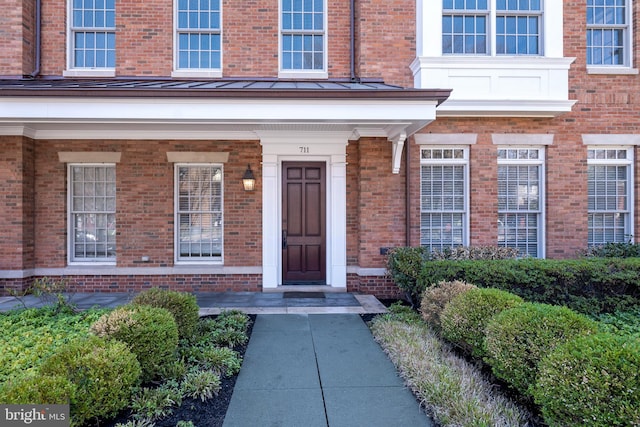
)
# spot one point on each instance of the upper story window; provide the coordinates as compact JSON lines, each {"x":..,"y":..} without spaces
{"x":93,"y":34}
{"x":198,"y":35}
{"x":303,"y":36}
{"x":510,"y":27}
{"x":444,"y":197}
{"x":199,"y":224}
{"x":92,"y":213}
{"x":608,"y":33}
{"x":520,"y":199}
{"x":610,"y":212}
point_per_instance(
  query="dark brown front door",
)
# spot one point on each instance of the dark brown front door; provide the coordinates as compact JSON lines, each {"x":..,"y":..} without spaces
{"x":303,"y":223}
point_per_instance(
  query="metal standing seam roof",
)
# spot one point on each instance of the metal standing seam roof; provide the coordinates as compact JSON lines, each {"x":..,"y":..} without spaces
{"x":136,"y":87}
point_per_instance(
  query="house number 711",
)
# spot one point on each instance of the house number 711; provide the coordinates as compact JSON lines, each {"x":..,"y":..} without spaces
{"x":304,"y":150}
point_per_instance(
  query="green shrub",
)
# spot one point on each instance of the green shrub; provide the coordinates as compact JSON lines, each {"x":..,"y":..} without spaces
{"x":38,"y":390}
{"x":155,"y":403}
{"x":613,"y":250}
{"x":465,"y":318}
{"x":103,"y":373}
{"x":150,"y":332}
{"x":201,"y":385}
{"x":29,"y":336}
{"x":592,"y":380}
{"x":233,"y":319}
{"x":181,"y":305}
{"x":475,"y":252}
{"x":223,"y":360}
{"x":590,"y":286}
{"x":518,"y":338}
{"x":621,"y":322}
{"x":435,"y":298}
{"x":405,"y":266}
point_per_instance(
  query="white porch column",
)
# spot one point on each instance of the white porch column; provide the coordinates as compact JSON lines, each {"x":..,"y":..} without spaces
{"x":337,"y":222}
{"x":270,"y":226}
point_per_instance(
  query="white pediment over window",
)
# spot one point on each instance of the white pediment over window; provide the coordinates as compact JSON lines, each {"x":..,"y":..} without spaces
{"x":492,"y":84}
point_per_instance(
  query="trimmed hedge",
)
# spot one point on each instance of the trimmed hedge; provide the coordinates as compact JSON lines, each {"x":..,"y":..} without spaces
{"x":592,"y":380}
{"x":435,"y":299}
{"x":518,"y":338}
{"x":38,"y":390}
{"x":181,"y":305}
{"x":591,"y":286}
{"x":464,"y":319}
{"x":104,"y":374}
{"x":150,"y":332}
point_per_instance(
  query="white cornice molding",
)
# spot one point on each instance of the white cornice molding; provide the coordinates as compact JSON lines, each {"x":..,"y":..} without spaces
{"x":504,"y":108}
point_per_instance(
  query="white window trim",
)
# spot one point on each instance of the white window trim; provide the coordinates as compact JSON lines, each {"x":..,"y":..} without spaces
{"x":449,"y":162}
{"x":176,"y":228}
{"x":72,"y":71}
{"x":540,"y":161}
{"x":629,"y":162}
{"x":305,"y":74}
{"x":70,"y":225}
{"x":429,"y":29}
{"x":213,"y":73}
{"x":628,"y":66}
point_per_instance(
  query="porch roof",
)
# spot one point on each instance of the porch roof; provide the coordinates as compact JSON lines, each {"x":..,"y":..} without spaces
{"x":228,"y":109}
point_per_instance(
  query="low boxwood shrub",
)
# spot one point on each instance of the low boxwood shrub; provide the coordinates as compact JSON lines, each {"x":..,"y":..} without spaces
{"x":181,"y":305}
{"x":38,"y":390}
{"x":613,"y":250}
{"x":150,"y":332}
{"x":103,"y":372}
{"x":621,"y":322}
{"x":435,"y":298}
{"x":518,"y":338}
{"x":464,"y":319}
{"x":592,"y":380}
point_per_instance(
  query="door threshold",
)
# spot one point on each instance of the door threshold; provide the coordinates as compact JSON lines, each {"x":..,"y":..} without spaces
{"x":304,"y":288}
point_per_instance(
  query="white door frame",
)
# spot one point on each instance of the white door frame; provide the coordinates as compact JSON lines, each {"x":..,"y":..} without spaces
{"x":328,"y":147}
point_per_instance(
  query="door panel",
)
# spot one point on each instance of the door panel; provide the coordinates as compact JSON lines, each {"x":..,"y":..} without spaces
{"x":303,"y":222}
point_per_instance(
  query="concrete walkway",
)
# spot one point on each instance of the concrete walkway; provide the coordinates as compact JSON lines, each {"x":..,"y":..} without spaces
{"x":319,"y":370}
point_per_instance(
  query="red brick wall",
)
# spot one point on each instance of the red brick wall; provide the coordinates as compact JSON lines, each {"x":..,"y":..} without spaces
{"x":16,"y":203}
{"x":17,"y":38}
{"x":386,"y":33}
{"x":145,"y":42}
{"x":144,"y":213}
{"x":381,"y":202}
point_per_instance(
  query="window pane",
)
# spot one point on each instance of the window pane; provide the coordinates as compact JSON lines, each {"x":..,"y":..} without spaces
{"x":199,"y":215}
{"x":608,"y":193}
{"x":93,"y":213}
{"x":302,"y":38}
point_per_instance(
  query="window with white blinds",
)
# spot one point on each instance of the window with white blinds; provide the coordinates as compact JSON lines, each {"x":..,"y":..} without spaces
{"x":443,"y":197}
{"x":520,"y":192}
{"x":609,"y":204}
{"x":199,"y":222}
{"x":92,"y":213}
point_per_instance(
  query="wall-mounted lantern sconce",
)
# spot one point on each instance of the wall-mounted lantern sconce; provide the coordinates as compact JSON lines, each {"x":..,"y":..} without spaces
{"x":248,"y":180}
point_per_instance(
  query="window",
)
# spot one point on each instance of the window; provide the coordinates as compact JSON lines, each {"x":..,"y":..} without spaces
{"x":92,"y":213}
{"x":520,"y":190}
{"x":609,"y":188}
{"x":607,"y":33}
{"x":198,"y":34}
{"x":93,"y":34}
{"x":467,"y":27}
{"x":443,"y":197}
{"x":199,"y":212}
{"x":302,"y":32}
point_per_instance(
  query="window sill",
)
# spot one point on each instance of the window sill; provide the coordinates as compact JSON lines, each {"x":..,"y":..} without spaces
{"x":301,"y":74}
{"x":89,"y":72}
{"x":612,"y":70}
{"x":207,"y":74}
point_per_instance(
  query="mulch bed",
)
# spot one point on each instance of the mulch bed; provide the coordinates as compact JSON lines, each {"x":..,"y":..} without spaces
{"x":209,"y":413}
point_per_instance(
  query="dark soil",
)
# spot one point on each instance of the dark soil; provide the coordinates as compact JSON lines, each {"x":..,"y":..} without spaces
{"x":209,"y":413}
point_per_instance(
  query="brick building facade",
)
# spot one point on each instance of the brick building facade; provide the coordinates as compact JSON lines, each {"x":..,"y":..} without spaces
{"x":125,"y":133}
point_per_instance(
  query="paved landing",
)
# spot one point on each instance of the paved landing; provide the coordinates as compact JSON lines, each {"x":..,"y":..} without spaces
{"x":319,"y":370}
{"x":212,"y":303}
